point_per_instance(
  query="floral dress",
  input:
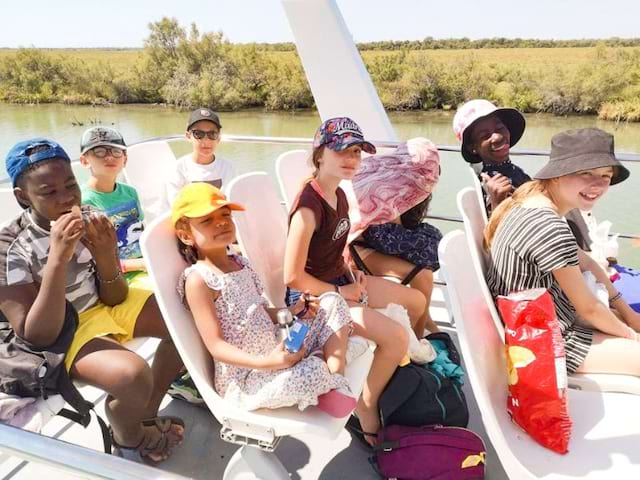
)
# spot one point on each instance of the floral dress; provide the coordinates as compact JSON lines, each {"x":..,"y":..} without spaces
{"x":246,"y":324}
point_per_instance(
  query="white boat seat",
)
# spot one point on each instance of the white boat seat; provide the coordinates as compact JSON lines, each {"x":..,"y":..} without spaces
{"x":261,"y":428}
{"x":471,"y":210}
{"x":606,"y":426}
{"x":149,"y":164}
{"x":261,"y":230}
{"x":292,"y":168}
{"x":9,"y":208}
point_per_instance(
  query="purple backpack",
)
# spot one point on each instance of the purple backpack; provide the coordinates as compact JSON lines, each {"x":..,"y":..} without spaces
{"x":429,"y":453}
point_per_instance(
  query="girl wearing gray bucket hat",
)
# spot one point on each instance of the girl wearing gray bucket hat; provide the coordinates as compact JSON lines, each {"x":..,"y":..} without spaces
{"x":531,"y":246}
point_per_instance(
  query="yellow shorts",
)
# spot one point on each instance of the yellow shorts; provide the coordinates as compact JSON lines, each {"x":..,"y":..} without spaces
{"x":101,"y":320}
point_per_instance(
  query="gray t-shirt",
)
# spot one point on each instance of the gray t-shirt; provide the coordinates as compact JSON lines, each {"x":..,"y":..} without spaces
{"x":24,"y":250}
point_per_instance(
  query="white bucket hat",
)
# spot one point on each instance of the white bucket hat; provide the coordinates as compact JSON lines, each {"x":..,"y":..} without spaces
{"x":475,"y":110}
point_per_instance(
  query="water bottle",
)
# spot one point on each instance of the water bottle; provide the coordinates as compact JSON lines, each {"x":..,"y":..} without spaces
{"x":285,"y":321}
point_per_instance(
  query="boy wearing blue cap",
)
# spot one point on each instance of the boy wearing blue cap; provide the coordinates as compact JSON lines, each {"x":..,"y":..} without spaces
{"x":52,"y":253}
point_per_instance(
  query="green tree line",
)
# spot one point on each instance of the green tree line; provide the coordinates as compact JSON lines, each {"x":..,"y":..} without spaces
{"x":186,"y":68}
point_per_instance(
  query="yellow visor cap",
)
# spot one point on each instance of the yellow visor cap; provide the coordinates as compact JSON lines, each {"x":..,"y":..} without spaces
{"x":199,"y":199}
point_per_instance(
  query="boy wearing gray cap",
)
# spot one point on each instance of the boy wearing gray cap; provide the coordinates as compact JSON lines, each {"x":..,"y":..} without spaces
{"x":202,"y":164}
{"x":103,"y":152}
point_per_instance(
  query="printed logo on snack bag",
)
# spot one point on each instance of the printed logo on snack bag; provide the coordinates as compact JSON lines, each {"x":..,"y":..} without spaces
{"x":341,"y":229}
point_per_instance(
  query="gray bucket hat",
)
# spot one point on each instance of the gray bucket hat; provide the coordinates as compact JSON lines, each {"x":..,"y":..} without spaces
{"x":583,"y":149}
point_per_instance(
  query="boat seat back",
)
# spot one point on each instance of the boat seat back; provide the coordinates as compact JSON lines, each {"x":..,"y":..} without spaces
{"x":470,"y":209}
{"x":149,"y":164}
{"x":165,"y":266}
{"x":261,"y":230}
{"x":477,"y":187}
{"x":292,"y":168}
{"x":9,"y":207}
{"x":600,"y":419}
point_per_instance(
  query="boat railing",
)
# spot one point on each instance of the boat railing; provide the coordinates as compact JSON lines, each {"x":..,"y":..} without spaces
{"x":75,"y":459}
{"x":231,"y":138}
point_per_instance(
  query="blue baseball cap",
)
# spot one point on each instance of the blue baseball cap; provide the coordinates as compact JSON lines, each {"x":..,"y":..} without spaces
{"x":341,"y":133}
{"x":29,"y":152}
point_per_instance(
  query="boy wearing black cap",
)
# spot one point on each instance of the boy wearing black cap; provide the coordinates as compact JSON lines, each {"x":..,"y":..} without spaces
{"x":103,"y":152}
{"x":202,"y":164}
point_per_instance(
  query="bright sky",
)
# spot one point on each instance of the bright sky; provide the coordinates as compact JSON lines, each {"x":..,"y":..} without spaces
{"x":123,"y":23}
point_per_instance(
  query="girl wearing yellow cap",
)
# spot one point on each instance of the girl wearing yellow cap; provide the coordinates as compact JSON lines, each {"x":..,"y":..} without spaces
{"x":253,"y":369}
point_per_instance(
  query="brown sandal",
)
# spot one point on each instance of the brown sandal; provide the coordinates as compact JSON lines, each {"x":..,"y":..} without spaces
{"x":166,"y":424}
{"x":143,"y":451}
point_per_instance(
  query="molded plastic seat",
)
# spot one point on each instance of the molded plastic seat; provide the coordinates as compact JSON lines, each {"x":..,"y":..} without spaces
{"x":165,"y":266}
{"x":291,"y":169}
{"x":606,"y":426}
{"x":9,"y":207}
{"x":261,"y":230}
{"x":148,"y":166}
{"x":471,"y":210}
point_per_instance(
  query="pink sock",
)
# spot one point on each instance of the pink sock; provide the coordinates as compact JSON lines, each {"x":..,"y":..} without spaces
{"x":336,"y":403}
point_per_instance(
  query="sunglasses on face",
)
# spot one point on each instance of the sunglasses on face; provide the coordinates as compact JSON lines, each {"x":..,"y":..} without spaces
{"x":102,"y":152}
{"x":210,"y":134}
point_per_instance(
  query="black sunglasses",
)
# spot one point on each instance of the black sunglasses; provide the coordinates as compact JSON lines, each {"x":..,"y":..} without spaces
{"x":101,"y":152}
{"x":211,"y":134}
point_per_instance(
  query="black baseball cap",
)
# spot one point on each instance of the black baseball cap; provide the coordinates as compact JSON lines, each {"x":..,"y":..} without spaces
{"x":203,"y":114}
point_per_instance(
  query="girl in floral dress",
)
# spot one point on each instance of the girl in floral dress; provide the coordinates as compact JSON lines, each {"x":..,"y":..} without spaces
{"x":224,"y":294}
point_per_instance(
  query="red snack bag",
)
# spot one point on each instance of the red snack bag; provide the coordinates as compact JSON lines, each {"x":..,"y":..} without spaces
{"x":537,"y":399}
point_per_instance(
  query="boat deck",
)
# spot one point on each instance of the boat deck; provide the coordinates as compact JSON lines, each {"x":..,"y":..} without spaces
{"x":204,"y":455}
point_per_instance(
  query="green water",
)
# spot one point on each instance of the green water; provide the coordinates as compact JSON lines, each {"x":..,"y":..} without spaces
{"x":621,"y":204}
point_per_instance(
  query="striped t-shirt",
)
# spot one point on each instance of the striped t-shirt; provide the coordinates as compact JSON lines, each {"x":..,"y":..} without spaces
{"x":529,"y":244}
{"x":24,"y":250}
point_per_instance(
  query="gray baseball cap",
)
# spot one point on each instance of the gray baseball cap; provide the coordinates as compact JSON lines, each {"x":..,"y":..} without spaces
{"x":101,"y":137}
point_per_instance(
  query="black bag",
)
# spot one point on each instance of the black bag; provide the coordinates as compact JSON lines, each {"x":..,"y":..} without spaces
{"x":417,"y":395}
{"x":29,"y":371}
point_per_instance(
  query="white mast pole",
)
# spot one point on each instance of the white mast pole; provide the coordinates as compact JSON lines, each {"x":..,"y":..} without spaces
{"x":339,"y":81}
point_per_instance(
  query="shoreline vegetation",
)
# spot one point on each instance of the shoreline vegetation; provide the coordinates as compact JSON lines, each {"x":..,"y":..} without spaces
{"x":185,"y":68}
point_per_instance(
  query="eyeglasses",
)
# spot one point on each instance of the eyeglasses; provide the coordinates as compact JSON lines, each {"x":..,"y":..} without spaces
{"x":211,"y":134}
{"x":102,"y":152}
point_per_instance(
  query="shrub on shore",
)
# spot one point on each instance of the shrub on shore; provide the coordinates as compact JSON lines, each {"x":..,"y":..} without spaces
{"x":189,"y":68}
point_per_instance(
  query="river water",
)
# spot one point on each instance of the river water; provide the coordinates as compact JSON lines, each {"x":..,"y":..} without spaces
{"x":620,"y":205}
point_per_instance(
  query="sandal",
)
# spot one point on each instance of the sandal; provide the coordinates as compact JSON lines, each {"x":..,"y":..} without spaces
{"x":166,"y":424}
{"x":143,"y":451}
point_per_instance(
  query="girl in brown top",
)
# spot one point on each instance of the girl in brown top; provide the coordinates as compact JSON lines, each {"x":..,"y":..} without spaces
{"x":318,"y":228}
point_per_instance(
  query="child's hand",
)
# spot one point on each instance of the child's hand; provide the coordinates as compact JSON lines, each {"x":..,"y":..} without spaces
{"x":100,"y":236}
{"x":280,"y":358}
{"x":353,"y":291}
{"x":306,"y":307}
{"x":65,"y":233}
{"x":498,"y":187}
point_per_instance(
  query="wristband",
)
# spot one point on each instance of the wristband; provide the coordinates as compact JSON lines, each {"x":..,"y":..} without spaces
{"x":106,"y":282}
{"x":615,"y":298}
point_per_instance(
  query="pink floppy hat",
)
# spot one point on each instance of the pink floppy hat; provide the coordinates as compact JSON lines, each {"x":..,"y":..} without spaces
{"x":475,"y":110}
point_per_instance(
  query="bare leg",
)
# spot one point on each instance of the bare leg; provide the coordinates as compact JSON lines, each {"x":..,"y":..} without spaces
{"x":612,"y":355}
{"x":382,"y":292}
{"x":392,"y":342}
{"x":166,"y":363}
{"x":335,"y":350}
{"x":390,"y":266}
{"x":127,"y":379}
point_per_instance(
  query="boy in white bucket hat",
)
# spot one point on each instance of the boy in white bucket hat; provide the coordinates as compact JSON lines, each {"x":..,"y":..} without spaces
{"x":486,"y":133}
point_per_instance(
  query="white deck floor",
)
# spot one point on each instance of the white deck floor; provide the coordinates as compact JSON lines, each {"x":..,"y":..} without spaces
{"x":204,"y":455}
